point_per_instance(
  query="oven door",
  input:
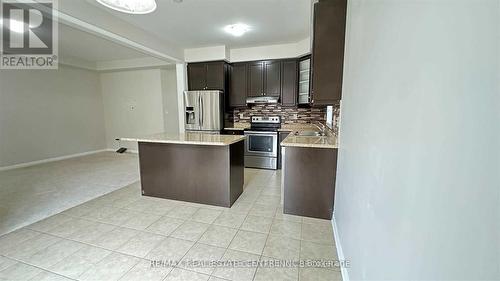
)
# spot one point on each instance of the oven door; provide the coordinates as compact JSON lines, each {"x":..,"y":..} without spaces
{"x":264,"y":144}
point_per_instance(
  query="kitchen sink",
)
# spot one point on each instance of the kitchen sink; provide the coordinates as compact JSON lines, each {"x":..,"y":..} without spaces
{"x":309,"y":134}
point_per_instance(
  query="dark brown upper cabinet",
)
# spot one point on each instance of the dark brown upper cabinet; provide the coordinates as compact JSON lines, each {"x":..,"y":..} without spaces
{"x":255,"y":79}
{"x":264,"y":78}
{"x":197,"y":76}
{"x":328,"y":51}
{"x":272,"y":78}
{"x":216,"y":76}
{"x":238,"y":85}
{"x":289,"y":76}
{"x":207,"y":76}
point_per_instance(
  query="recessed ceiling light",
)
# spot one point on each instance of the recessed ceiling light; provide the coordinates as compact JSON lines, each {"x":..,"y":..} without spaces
{"x":130,"y":6}
{"x":237,"y":29}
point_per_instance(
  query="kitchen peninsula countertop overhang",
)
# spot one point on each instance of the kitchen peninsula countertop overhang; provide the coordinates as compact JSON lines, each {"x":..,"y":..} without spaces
{"x":193,"y":138}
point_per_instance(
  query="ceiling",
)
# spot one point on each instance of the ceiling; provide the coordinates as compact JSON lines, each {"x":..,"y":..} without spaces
{"x":199,"y":23}
{"x":74,"y":43}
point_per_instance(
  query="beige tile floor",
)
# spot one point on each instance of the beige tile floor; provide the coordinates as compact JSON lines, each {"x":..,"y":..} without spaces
{"x":115,"y":237}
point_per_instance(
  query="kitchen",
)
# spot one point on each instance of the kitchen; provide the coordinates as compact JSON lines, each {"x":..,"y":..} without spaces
{"x":219,"y":140}
{"x":260,"y":100}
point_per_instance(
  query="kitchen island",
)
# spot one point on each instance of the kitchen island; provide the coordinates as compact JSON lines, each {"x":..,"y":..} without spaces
{"x":193,"y":167}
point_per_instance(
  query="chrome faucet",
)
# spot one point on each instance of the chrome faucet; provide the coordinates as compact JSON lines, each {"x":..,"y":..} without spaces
{"x":321,"y":127}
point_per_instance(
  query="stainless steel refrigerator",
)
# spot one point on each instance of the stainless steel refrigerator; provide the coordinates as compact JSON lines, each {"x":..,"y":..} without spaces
{"x":204,"y":110}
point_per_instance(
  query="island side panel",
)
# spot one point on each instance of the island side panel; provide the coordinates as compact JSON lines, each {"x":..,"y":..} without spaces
{"x":192,"y":173}
{"x":237,"y":170}
{"x":309,"y":185}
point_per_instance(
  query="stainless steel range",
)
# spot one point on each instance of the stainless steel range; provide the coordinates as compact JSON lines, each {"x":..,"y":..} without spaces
{"x":261,"y":143}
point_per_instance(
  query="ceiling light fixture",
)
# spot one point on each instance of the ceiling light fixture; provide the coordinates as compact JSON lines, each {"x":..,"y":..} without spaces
{"x":130,"y":6}
{"x":237,"y":29}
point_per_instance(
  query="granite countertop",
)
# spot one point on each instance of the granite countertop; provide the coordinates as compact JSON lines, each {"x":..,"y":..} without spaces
{"x":306,"y":141}
{"x":193,"y":138}
{"x":239,"y":126}
{"x":328,"y":141}
{"x":297,"y":127}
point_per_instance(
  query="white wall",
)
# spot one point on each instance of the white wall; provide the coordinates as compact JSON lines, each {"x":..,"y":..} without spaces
{"x":206,"y":54}
{"x":129,"y":64}
{"x":49,"y":113}
{"x":54,"y":113}
{"x":76,"y":13}
{"x":417,"y":194}
{"x":181,"y":75}
{"x":170,"y":100}
{"x":278,"y":51}
{"x":133,"y":104}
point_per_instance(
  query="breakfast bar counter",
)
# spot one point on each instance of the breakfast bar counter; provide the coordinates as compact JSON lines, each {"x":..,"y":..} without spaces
{"x":193,"y":167}
{"x":188,"y":138}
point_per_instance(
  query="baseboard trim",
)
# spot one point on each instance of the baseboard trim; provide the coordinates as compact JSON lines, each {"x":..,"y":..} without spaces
{"x":48,"y":160}
{"x":340,"y":252}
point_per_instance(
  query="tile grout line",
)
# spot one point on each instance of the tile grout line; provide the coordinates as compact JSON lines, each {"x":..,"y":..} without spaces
{"x":300,"y":250}
{"x":96,"y":246}
{"x":29,"y":264}
{"x":267,"y":237}
{"x":195,"y":242}
{"x":237,"y":230}
{"x":188,"y":249}
{"x":251,"y":203}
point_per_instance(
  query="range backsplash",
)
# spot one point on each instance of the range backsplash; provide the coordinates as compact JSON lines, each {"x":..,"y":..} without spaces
{"x":289,"y":115}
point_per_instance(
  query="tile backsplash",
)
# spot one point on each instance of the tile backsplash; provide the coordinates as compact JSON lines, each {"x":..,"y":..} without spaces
{"x":289,"y":115}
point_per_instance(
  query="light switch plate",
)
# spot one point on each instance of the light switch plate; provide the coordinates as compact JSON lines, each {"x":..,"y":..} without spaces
{"x":329,"y":115}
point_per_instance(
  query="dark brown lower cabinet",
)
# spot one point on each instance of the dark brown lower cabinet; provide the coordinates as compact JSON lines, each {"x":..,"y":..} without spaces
{"x":206,"y":174}
{"x":282,"y":136}
{"x":309,"y":181}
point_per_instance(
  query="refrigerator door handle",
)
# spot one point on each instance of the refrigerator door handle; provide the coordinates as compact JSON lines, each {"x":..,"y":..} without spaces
{"x":201,"y":111}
